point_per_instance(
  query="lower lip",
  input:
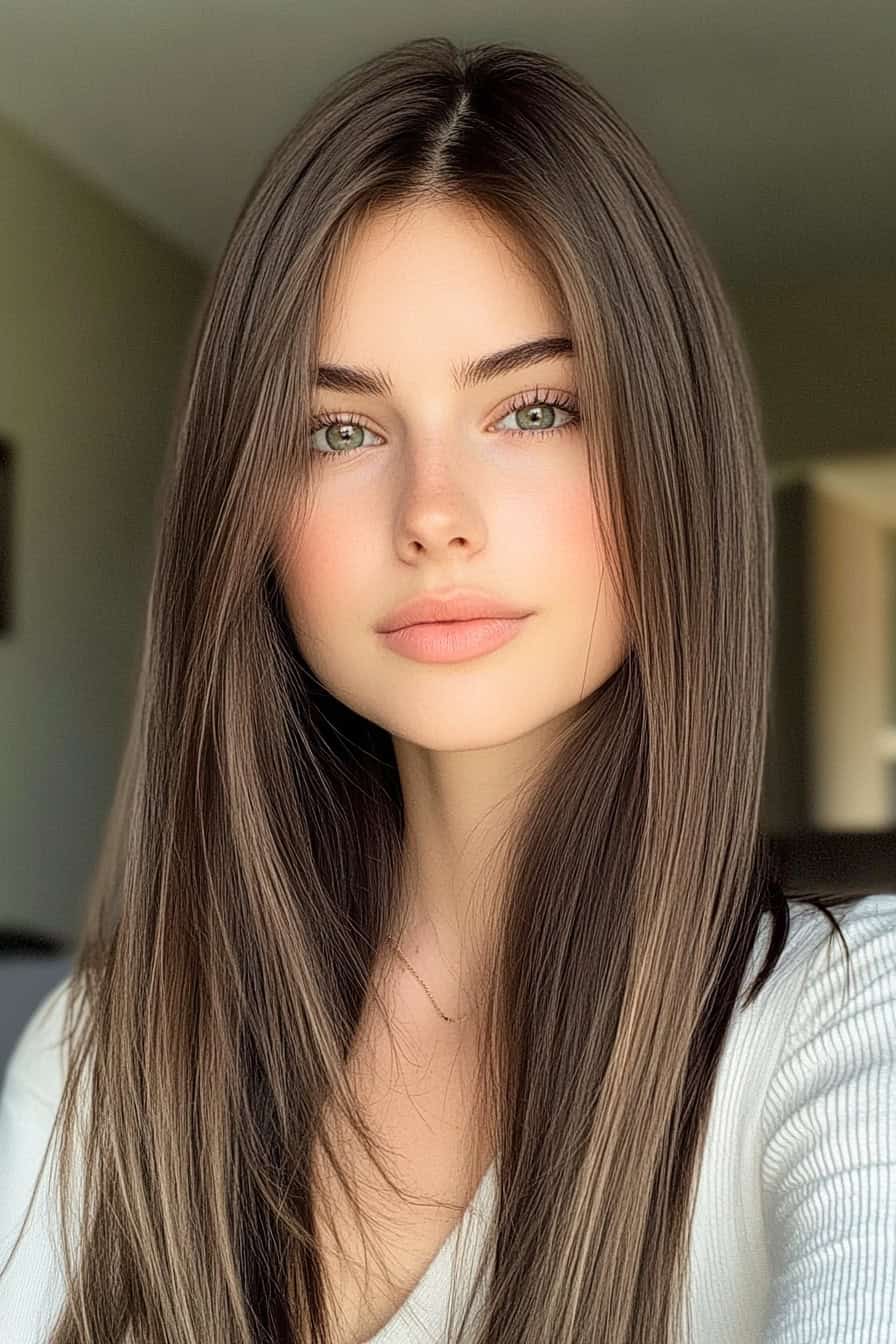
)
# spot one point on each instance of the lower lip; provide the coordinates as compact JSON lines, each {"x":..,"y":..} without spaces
{"x":452,"y":641}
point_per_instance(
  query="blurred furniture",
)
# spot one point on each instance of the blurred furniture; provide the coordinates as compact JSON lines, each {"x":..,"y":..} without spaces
{"x":835,"y":862}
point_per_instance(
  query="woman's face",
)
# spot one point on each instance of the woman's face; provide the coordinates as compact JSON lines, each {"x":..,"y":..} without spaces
{"x":426,"y":487}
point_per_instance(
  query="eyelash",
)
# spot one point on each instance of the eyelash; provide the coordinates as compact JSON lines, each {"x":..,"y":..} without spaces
{"x":536,"y":398}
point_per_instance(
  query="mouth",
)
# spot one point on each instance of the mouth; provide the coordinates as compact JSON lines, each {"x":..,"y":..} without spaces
{"x":453,"y":641}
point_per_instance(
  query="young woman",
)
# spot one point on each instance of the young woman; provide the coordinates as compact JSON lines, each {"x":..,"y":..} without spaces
{"x":435,"y":981}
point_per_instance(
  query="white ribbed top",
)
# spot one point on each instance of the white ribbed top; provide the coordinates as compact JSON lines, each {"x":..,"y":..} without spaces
{"x":794,"y":1233}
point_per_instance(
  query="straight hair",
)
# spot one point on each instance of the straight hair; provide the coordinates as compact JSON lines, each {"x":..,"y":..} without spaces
{"x":249,"y":869}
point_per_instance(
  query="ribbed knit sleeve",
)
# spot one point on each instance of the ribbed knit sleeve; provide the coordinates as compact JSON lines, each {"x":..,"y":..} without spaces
{"x":829,"y":1148}
{"x":32,"y":1286}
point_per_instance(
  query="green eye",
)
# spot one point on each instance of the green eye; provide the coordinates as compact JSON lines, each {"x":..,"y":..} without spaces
{"x":544,"y":423}
{"x":347,"y":436}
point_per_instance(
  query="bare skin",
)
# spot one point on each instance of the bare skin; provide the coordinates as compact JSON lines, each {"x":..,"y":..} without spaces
{"x":440,"y":493}
{"x":415,"y":1079}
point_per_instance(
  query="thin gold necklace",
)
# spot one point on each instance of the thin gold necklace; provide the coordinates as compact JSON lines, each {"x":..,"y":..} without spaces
{"x":416,"y":977}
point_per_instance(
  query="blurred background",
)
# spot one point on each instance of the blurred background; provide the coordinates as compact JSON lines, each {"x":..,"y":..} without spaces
{"x":129,"y":137}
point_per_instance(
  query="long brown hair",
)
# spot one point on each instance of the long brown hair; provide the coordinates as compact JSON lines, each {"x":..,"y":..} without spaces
{"x":248,"y":873}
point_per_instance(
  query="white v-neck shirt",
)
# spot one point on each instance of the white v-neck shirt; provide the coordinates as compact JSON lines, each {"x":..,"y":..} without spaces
{"x":794,"y":1232}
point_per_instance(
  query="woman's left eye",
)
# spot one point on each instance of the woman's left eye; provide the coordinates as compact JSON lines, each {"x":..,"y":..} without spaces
{"x":537,"y":416}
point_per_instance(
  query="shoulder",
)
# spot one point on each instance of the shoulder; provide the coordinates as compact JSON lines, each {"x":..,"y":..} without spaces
{"x":821,"y":1001}
{"x":828,"y":1161}
{"x":838,"y":1040}
{"x":840,"y":975}
{"x":35,"y":1071}
{"x":29,"y":1102}
{"x":31,"y":1283}
{"x":816,"y":955}
{"x":806,"y":976}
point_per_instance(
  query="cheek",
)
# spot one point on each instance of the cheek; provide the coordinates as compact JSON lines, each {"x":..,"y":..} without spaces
{"x":572,"y":538}
{"x":575,"y":547}
{"x":317,"y":570}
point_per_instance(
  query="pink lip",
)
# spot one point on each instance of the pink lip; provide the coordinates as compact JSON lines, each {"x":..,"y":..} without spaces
{"x":452,"y":641}
{"x":458,"y":604}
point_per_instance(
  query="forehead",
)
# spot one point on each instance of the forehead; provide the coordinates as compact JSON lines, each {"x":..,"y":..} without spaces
{"x":438,"y":281}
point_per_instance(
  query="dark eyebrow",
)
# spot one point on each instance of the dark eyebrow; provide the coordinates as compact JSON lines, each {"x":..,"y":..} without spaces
{"x":374,"y":383}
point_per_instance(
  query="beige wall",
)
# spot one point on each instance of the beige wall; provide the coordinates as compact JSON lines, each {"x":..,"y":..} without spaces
{"x":95,"y":314}
{"x":823,"y":351}
{"x":848,"y":669}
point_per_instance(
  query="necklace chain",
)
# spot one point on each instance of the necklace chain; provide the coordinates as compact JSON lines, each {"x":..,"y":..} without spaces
{"x":416,"y":977}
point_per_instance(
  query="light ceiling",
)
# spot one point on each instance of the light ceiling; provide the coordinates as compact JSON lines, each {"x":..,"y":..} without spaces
{"x":773,"y":120}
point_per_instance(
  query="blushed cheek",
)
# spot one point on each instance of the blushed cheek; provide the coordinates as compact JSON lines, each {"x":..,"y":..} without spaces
{"x":577,"y":538}
{"x":584,"y":573}
{"x":326,"y":574}
{"x":309,"y":576}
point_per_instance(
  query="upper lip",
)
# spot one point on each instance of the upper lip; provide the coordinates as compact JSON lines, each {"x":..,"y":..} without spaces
{"x":454,"y":604}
